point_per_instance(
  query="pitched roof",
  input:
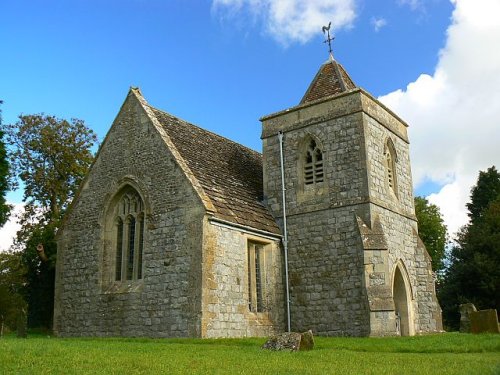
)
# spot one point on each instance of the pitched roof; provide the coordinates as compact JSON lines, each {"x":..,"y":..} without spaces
{"x":229,"y":173}
{"x":331,"y":79}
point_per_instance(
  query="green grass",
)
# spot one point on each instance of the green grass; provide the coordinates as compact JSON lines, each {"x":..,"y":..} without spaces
{"x":450,"y":353}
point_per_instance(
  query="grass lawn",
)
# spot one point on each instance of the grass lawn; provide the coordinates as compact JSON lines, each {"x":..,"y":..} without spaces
{"x":450,"y":353}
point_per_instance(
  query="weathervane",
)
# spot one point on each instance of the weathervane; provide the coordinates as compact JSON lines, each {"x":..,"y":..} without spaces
{"x":329,"y":38}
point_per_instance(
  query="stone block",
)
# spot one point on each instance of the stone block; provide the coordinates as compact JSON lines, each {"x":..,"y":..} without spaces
{"x":465,"y":310}
{"x":291,"y":341}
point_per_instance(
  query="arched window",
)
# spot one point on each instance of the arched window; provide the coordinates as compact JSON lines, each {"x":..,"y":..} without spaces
{"x":313,"y":165}
{"x":390,"y":165}
{"x":129,"y":235}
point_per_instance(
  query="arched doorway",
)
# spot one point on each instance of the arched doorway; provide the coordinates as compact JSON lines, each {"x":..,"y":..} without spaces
{"x":402,"y":302}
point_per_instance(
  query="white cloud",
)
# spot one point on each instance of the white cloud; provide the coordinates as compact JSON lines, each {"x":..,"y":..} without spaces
{"x":289,"y":21}
{"x":454,"y":114}
{"x":9,"y":230}
{"x":447,"y":200}
{"x":413,"y":4}
{"x":378,"y":23}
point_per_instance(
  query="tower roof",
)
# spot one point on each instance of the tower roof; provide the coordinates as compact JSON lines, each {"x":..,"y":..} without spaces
{"x":331,"y":79}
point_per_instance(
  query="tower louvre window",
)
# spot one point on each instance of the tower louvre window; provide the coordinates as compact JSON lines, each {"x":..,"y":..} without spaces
{"x":390,"y":166}
{"x":390,"y":172}
{"x":313,"y":166}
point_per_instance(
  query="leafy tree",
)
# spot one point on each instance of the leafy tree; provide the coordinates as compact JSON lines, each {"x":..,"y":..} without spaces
{"x":4,"y":178}
{"x":486,"y":190}
{"x":12,"y":279}
{"x":474,"y":272}
{"x":432,"y":231}
{"x":50,"y":156}
{"x":40,"y":276}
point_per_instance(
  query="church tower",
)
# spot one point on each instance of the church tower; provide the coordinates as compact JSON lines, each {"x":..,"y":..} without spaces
{"x":356,"y":264}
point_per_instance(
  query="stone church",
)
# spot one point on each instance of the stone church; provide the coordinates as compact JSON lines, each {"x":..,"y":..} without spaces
{"x":179,"y":232}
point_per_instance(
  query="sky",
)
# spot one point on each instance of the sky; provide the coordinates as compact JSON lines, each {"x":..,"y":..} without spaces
{"x":223,"y":64}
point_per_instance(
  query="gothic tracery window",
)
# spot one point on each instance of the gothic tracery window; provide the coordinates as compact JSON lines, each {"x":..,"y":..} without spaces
{"x":129,"y":235}
{"x":313,"y":166}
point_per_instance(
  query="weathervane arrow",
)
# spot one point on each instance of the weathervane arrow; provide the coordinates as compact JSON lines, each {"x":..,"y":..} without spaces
{"x":328,"y":38}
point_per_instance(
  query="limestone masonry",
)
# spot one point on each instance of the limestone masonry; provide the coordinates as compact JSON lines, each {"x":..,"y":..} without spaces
{"x":178,"y":232}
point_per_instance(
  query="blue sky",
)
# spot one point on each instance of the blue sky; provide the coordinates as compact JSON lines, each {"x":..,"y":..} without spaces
{"x":223,"y":64}
{"x":78,"y":58}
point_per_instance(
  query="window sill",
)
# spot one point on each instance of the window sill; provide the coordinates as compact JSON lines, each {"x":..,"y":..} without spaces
{"x":129,"y":286}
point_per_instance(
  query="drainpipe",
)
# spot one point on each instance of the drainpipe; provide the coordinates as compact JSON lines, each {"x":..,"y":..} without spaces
{"x":285,"y":234}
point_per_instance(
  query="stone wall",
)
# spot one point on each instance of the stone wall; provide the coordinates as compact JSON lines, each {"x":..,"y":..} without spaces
{"x":167,"y":301}
{"x":376,"y":135}
{"x":396,"y":213}
{"x":326,"y":278}
{"x":325,"y":249}
{"x":225,"y":300}
{"x":404,"y":249}
{"x":348,"y":234}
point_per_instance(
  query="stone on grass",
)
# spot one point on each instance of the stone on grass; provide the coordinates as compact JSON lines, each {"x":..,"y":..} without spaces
{"x":465,"y":310}
{"x":291,"y":341}
{"x":484,"y":321}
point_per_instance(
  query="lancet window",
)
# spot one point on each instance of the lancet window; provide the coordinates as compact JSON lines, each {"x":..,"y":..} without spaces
{"x":129,"y":235}
{"x":390,"y":166}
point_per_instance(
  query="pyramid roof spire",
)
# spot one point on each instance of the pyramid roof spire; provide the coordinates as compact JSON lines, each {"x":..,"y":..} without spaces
{"x":331,"y":79}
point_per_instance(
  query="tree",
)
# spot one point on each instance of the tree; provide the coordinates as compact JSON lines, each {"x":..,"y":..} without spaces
{"x":4,"y":178}
{"x":474,"y":272}
{"x":12,"y":280}
{"x":40,"y":276}
{"x":486,"y":190}
{"x":50,"y":156}
{"x":432,"y":231}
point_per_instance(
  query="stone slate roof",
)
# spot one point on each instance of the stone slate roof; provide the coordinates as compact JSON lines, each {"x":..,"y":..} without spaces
{"x":229,"y":173}
{"x":331,"y":79}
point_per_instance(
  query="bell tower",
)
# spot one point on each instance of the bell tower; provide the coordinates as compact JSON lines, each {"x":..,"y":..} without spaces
{"x":356,"y":264}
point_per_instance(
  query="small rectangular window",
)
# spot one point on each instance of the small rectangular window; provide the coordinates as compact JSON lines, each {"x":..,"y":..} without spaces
{"x":256,"y":276}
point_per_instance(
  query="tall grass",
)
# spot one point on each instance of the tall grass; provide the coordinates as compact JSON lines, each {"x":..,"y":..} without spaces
{"x":437,"y":354}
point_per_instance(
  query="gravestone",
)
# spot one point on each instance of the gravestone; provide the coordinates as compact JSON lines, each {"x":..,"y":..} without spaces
{"x":465,"y":310}
{"x":484,"y":321}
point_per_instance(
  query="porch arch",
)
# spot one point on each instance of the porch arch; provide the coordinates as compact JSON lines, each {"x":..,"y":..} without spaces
{"x":403,"y":296}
